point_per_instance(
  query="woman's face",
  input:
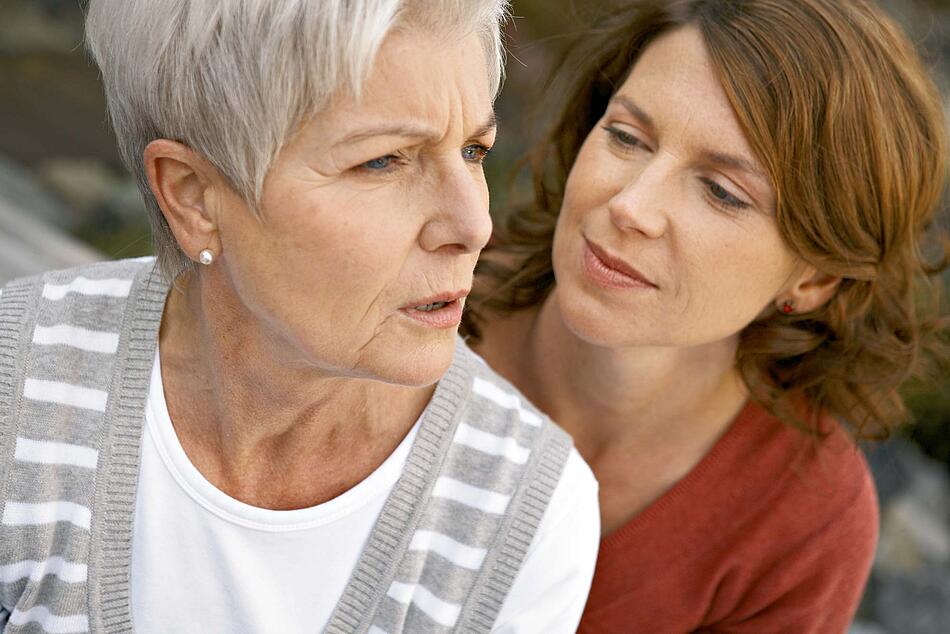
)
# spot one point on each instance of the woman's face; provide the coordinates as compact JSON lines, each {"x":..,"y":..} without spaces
{"x":373,"y":218}
{"x":667,"y":235}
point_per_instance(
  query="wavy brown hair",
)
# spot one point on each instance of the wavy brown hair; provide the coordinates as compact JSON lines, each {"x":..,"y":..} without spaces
{"x":837,"y":106}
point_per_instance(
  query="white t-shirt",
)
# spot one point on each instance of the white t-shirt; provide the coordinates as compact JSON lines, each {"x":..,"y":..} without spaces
{"x":205,"y":562}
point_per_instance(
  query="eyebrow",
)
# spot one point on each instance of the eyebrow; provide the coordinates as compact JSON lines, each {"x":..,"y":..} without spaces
{"x":706,"y":156}
{"x":412,"y":131}
{"x":490,"y":125}
{"x":635,"y":110}
{"x":734,"y":162}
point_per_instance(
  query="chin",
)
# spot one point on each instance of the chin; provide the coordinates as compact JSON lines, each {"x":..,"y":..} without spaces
{"x":589,"y":326}
{"x":408,"y":362}
{"x":592,"y":323}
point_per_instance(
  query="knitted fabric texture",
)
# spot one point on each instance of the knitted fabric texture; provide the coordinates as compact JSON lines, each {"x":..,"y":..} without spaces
{"x":76,"y":349}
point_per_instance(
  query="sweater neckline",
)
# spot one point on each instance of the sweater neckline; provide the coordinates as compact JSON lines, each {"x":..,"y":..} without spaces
{"x":727,"y":445}
{"x":402,"y":511}
{"x":110,"y":607}
{"x":201,"y":491}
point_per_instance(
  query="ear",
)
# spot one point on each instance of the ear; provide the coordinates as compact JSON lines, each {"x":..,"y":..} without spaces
{"x":810,"y":290}
{"x":183,"y":183}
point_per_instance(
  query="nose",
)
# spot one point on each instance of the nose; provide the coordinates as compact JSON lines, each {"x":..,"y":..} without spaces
{"x":641,"y":206}
{"x":460,"y":221}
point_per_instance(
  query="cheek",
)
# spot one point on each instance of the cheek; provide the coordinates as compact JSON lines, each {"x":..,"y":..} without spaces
{"x":320,"y":257}
{"x":339,"y":237}
{"x":591,"y":181}
{"x":735,"y":273}
{"x":586,"y":190}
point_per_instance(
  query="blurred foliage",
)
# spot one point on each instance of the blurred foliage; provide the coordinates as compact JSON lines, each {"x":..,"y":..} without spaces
{"x":931,"y":429}
{"x":115,"y":235}
{"x":930,"y":405}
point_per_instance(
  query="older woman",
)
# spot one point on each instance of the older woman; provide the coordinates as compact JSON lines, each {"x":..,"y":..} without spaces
{"x":722,"y":262}
{"x":263,"y":449}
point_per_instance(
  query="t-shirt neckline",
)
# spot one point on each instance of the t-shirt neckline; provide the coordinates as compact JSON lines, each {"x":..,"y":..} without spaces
{"x":159,"y":427}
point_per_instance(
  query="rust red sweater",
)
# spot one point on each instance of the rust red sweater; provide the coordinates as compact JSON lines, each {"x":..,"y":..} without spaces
{"x":768,"y":533}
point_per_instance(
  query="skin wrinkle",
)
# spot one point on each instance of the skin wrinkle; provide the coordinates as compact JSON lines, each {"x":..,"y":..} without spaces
{"x":433,"y":288}
{"x":290,"y":350}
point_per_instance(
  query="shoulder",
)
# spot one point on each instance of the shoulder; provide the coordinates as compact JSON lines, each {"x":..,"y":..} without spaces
{"x":573,"y":515}
{"x":574,"y":498}
{"x":113,"y":269}
{"x":793,"y":487}
{"x":493,"y":396}
{"x":807,"y":549}
{"x":828,"y":482}
{"x":551,"y":589}
{"x":788,"y":472}
{"x":833,"y":504}
{"x":64,"y":333}
{"x":113,"y":279}
{"x":514,"y":417}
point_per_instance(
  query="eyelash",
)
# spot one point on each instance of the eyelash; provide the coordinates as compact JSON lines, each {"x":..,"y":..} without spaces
{"x":397,"y":160}
{"x":389,"y":158}
{"x":624,"y":140}
{"x":730,"y":203}
{"x":483,"y":151}
{"x":628,"y":142}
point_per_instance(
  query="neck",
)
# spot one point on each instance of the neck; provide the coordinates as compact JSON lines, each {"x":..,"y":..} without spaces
{"x":612,"y":396}
{"x":261,"y":425}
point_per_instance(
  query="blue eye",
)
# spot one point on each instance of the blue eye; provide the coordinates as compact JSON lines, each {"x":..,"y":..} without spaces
{"x":475,"y":153}
{"x":379,"y":164}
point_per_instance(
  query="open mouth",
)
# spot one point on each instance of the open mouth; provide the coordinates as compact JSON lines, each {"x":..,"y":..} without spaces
{"x":428,"y":308}
{"x":438,"y":312}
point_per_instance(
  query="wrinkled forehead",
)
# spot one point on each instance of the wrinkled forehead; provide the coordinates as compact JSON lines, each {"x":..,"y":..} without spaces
{"x":426,"y":82}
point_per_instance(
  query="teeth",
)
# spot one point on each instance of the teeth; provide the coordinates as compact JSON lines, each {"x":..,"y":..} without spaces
{"x":430,"y":307}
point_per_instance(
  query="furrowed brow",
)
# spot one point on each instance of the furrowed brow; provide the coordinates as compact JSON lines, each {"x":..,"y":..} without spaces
{"x":490,"y":125}
{"x":408,"y":131}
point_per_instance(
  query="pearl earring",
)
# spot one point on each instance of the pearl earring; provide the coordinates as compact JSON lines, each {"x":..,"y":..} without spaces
{"x":206,"y":257}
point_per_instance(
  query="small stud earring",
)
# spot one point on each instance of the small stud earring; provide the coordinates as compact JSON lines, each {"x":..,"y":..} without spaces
{"x":206,"y":257}
{"x":787,"y":308}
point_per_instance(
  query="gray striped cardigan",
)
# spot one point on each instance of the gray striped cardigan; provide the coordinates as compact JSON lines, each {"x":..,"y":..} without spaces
{"x":76,"y":349}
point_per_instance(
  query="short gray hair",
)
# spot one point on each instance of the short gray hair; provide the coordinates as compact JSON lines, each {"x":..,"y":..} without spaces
{"x":234,"y":79}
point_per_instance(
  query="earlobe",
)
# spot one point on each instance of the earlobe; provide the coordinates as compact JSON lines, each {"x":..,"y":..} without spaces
{"x":181,"y":182}
{"x":813,"y":290}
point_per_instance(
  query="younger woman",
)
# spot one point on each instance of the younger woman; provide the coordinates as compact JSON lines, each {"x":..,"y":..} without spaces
{"x":714,"y":292}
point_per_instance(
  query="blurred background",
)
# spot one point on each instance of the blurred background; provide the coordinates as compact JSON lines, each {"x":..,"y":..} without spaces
{"x":65,"y":199}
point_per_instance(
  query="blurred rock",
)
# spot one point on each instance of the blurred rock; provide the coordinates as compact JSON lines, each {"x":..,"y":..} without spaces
{"x":864,"y":627}
{"x":20,"y":189}
{"x":86,"y":184}
{"x":29,"y":246}
{"x":891,"y":476}
{"x":909,"y":590}
{"x":912,"y":535}
{"x":33,"y":226}
{"x":916,"y":604}
{"x":915,"y":509}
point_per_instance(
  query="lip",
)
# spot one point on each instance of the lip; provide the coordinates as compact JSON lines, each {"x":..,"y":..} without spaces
{"x":449,"y":316}
{"x":611,"y":272}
